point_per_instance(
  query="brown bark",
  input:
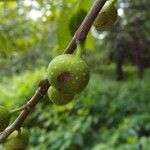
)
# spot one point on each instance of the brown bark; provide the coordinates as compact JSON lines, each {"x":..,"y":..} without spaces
{"x":119,"y":64}
{"x":119,"y":69}
{"x":138,"y":54}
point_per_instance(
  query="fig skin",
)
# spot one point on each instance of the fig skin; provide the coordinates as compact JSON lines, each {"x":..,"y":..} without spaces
{"x":18,"y":140}
{"x":68,"y":74}
{"x":106,"y":17}
{"x":59,"y":98}
{"x":4,"y":118}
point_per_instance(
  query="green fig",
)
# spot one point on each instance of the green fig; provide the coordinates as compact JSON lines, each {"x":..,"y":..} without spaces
{"x":59,"y":98}
{"x":76,"y":20}
{"x":107,"y":16}
{"x":4,"y":118}
{"x":68,"y":74}
{"x":18,"y":140}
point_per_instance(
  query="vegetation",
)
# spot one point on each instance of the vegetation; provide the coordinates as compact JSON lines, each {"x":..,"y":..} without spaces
{"x":112,"y":112}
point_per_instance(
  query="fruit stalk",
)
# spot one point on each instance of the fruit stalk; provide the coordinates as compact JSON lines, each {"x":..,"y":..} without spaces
{"x":80,"y":48}
{"x":17,"y":110}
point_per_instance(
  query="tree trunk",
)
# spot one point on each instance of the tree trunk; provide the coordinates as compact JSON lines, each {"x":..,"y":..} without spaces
{"x":119,"y":64}
{"x":138,"y":55}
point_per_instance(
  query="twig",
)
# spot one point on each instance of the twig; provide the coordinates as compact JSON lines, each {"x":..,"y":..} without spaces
{"x":80,"y":35}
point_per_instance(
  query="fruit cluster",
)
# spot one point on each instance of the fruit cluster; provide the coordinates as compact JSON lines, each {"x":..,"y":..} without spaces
{"x":68,"y":76}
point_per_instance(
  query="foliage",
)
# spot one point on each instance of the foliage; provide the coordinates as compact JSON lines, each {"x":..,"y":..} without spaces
{"x":18,"y":89}
{"x":112,"y":115}
{"x":108,"y":114}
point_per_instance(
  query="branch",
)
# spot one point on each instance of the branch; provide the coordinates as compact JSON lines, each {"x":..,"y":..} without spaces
{"x":79,"y":36}
{"x":85,"y":26}
{"x":39,"y":94}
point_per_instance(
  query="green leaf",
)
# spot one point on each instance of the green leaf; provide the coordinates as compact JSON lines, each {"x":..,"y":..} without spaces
{"x":90,"y":42}
{"x":63,"y":33}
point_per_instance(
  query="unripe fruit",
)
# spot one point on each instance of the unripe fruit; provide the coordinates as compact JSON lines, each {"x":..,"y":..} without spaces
{"x":18,"y":140}
{"x":107,"y":16}
{"x":76,"y":20}
{"x":58,"y":97}
{"x":68,"y":74}
{"x":4,"y":118}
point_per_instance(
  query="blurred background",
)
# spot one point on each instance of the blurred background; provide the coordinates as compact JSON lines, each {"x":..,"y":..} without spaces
{"x":113,"y":112}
